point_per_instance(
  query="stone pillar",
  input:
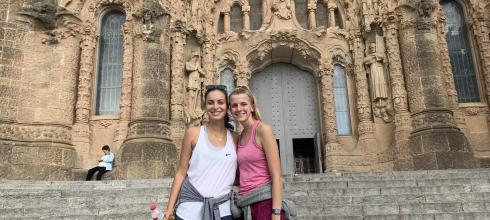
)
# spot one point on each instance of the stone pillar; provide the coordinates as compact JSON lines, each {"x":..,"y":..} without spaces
{"x":41,"y":133}
{"x":148,"y":151}
{"x":11,"y":38}
{"x":366,"y":129}
{"x":482,"y":26}
{"x":447,"y":72}
{"x":246,"y":18}
{"x":126,"y":92}
{"x":435,"y":142}
{"x":81,"y":128}
{"x":402,"y":115}
{"x":178,"y":89}
{"x":226,"y":21}
{"x":331,"y":14}
{"x":311,"y":15}
{"x":325,"y":76}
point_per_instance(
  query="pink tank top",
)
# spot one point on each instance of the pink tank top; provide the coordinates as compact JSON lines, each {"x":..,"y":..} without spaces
{"x":252,"y":164}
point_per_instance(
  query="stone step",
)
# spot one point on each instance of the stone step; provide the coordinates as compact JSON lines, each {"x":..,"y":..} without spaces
{"x":389,"y":199}
{"x":438,"y":216}
{"x":384,"y":183}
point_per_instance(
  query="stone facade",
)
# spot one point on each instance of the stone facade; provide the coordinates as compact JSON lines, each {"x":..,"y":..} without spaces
{"x":50,"y":51}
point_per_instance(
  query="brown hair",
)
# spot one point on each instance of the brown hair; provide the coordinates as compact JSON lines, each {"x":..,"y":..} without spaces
{"x":106,"y":147}
{"x":221,"y":88}
{"x":245,"y":90}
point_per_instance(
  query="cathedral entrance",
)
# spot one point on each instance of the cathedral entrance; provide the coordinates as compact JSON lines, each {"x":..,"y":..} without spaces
{"x":287,"y":100}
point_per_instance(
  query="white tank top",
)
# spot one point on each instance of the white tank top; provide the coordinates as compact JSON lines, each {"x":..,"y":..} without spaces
{"x":212,"y":172}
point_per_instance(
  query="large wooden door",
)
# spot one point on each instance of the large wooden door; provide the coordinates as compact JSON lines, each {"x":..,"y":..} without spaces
{"x":287,"y":100}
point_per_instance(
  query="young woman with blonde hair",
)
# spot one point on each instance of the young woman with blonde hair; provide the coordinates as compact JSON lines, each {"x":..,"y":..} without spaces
{"x":260,"y":195}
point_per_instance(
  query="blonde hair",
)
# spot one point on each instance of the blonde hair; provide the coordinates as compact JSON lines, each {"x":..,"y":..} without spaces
{"x":245,"y":90}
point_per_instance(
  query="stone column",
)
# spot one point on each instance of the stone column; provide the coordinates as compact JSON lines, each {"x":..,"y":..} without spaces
{"x":435,"y":142}
{"x":402,"y":114}
{"x":325,"y":76}
{"x":126,"y":91}
{"x":12,"y":37}
{"x":148,"y":151}
{"x":41,"y":133}
{"x":81,"y":128}
{"x":311,"y":15}
{"x":366,"y":127}
{"x":177,"y":99}
{"x":246,"y":17}
{"x":331,"y":14}
{"x":226,"y":21}
{"x":448,"y":78}
{"x":482,"y":26}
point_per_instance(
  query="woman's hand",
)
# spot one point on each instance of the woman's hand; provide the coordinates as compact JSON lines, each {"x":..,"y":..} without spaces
{"x":168,"y":215}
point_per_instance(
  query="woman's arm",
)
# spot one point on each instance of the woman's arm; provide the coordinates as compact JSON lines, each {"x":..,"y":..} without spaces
{"x":237,"y":176}
{"x":189,"y":141}
{"x":266,"y":139}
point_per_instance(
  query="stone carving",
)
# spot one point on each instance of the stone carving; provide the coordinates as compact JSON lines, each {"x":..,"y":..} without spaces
{"x":148,"y":13}
{"x":425,"y":8}
{"x":282,"y":9}
{"x":49,"y":14}
{"x":193,"y":68}
{"x":379,"y":88}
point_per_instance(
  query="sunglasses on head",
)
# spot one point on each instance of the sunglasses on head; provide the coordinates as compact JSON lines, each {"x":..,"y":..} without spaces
{"x":213,"y":87}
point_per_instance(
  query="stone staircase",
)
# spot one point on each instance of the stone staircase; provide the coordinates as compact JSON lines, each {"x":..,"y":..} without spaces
{"x":434,"y":195}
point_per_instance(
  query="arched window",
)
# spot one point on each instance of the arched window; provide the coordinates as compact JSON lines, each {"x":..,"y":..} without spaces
{"x":236,"y":18}
{"x":255,"y":14}
{"x":321,"y":14}
{"x":221,"y":23}
{"x":341,"y":99}
{"x":110,"y":64}
{"x":301,"y":12}
{"x":460,"y":52}
{"x":338,"y":19}
{"x":226,"y":78}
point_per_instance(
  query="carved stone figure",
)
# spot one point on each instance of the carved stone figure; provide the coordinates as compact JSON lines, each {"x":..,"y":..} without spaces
{"x":47,"y":12}
{"x":379,"y":90}
{"x":425,"y":8}
{"x":193,"y":69}
{"x":282,"y":9}
{"x":148,"y":12}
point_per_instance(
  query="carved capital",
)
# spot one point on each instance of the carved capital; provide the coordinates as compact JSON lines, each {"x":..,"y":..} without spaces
{"x":245,"y":9}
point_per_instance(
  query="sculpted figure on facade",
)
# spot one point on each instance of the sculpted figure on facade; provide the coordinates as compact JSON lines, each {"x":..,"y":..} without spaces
{"x":282,"y":9}
{"x":148,"y":13}
{"x":193,"y":69}
{"x":48,"y":13}
{"x":378,"y":85}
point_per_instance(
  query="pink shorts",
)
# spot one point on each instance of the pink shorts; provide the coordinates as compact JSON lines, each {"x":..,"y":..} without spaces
{"x":263,"y":210}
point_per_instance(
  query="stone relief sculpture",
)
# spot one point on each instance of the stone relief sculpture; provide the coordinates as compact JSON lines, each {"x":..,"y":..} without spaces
{"x":148,"y":12}
{"x":48,"y":13}
{"x":282,"y":9}
{"x":193,"y":69}
{"x":378,"y":85}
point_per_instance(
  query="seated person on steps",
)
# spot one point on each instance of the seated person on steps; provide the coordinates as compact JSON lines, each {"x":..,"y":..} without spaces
{"x":105,"y":164}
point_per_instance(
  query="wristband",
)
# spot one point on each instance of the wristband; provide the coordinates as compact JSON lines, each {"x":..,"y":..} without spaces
{"x":276,"y":211}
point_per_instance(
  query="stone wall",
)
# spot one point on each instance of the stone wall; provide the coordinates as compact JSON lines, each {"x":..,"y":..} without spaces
{"x":48,"y":75}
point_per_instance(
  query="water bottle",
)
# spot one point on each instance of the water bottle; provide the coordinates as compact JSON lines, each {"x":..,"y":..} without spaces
{"x":156,"y":214}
